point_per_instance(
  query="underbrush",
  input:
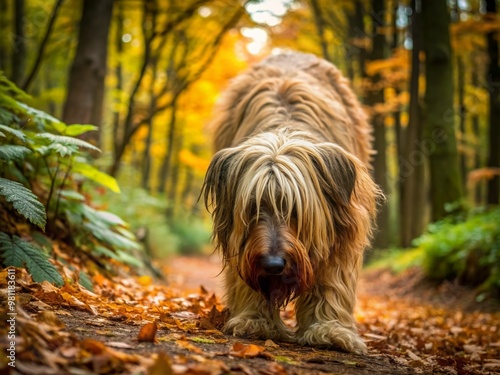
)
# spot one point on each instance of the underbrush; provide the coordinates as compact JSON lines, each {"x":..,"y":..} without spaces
{"x":49,"y":223}
{"x":185,"y":234}
{"x":464,"y":247}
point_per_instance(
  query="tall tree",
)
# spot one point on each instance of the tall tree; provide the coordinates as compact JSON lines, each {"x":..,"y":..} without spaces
{"x":376,"y":96}
{"x":320,"y":28}
{"x":493,"y":80}
{"x":412,"y":162}
{"x":355,"y":52}
{"x":445,"y":181}
{"x":85,"y":94}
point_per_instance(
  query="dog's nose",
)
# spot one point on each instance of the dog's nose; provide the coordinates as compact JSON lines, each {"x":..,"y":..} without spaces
{"x":273,"y":265}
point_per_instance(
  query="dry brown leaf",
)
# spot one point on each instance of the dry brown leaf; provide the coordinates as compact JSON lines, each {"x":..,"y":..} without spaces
{"x":161,"y":366}
{"x":147,"y":332}
{"x":270,"y":344}
{"x":246,"y":350}
{"x":187,"y":345}
{"x":274,"y":368}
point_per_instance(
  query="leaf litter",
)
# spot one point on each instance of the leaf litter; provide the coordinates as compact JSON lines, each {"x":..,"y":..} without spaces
{"x":135,"y":326}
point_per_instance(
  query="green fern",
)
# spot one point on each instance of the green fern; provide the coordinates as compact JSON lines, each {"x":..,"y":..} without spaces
{"x":67,"y":141}
{"x":24,"y":201}
{"x":13,"y":152}
{"x":15,"y":132}
{"x":17,"y":252}
{"x":57,"y":148}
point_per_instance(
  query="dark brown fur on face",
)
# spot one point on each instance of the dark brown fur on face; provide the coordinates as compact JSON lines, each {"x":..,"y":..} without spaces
{"x":269,"y":237}
{"x":292,"y":200}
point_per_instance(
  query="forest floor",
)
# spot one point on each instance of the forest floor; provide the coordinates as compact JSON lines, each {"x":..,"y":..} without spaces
{"x":137,"y":326}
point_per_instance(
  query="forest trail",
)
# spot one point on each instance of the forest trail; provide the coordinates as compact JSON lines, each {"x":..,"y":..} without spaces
{"x":114,"y":332}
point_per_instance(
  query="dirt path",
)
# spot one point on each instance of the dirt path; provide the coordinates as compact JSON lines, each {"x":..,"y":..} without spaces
{"x":405,"y":334}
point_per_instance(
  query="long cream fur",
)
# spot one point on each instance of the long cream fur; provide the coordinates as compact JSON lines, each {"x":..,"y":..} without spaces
{"x":292,"y":172}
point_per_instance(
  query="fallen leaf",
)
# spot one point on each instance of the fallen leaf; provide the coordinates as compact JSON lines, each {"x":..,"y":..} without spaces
{"x":270,"y":344}
{"x":187,"y":345}
{"x":273,"y":368}
{"x":161,"y":366}
{"x":246,"y":351}
{"x":147,"y":332}
{"x":119,"y":345}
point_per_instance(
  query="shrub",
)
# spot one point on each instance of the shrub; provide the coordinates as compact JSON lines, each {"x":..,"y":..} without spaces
{"x":43,"y":173}
{"x":467,"y":248}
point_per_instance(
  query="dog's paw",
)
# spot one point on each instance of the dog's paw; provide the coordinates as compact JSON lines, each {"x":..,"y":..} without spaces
{"x":255,"y":328}
{"x":333,"y":334}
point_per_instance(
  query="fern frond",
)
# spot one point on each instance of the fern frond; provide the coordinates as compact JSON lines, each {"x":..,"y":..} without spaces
{"x":15,"y":132}
{"x":13,"y":152}
{"x":24,"y":201}
{"x":64,"y":140}
{"x":17,"y":252}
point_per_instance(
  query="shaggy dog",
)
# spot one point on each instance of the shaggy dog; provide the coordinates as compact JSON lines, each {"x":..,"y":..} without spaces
{"x":292,"y":200}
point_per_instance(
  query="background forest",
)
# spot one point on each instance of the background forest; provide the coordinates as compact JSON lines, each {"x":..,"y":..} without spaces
{"x":138,"y":79}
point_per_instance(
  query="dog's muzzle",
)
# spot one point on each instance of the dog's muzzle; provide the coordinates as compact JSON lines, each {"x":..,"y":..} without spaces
{"x":273,"y":265}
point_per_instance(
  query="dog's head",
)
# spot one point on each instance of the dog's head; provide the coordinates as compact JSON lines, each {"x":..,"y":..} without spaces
{"x":282,"y":205}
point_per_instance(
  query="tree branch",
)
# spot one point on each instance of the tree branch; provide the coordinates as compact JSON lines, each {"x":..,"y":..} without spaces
{"x":43,"y":44}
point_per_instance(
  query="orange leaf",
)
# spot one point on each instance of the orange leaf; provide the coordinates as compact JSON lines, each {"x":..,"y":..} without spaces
{"x":246,"y":351}
{"x":148,"y":333}
{"x":187,"y":345}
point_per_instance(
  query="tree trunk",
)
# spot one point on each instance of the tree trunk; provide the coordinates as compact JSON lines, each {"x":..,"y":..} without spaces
{"x":19,"y":43}
{"x":174,"y":181}
{"x":376,"y":96}
{"x":85,"y":94}
{"x":355,"y":51}
{"x":445,"y":181}
{"x":320,"y":28}
{"x":146,"y":156}
{"x":170,"y":138}
{"x":412,"y":155}
{"x":119,"y":82}
{"x":462,"y":113}
{"x":493,"y":80}
{"x":479,"y":188}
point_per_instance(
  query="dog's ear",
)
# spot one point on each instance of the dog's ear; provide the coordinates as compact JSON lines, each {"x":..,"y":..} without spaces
{"x":338,"y":172}
{"x":218,"y":192}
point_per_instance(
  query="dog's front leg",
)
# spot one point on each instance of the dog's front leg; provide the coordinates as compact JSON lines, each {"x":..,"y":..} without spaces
{"x":325,"y":316}
{"x":250,"y":315}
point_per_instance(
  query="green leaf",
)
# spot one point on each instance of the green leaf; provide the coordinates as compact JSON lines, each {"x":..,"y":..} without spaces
{"x":57,"y":148}
{"x":24,"y":201}
{"x":15,"y":132}
{"x":72,"y":195}
{"x":17,"y":252}
{"x":78,"y":129}
{"x":96,"y":175}
{"x":85,"y":281}
{"x":118,"y":255}
{"x":105,"y":217}
{"x":59,"y":127}
{"x":40,"y":117}
{"x":8,"y":87}
{"x":111,"y":238}
{"x":13,"y":152}
{"x":67,"y":141}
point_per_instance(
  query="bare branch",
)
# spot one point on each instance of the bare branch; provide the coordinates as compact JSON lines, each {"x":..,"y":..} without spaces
{"x":43,"y":44}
